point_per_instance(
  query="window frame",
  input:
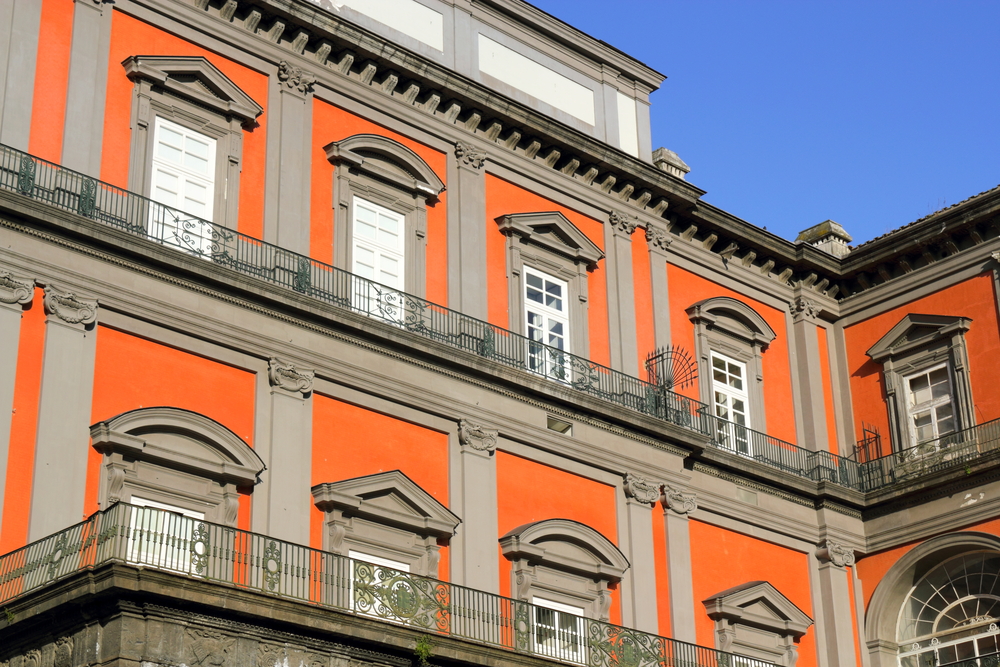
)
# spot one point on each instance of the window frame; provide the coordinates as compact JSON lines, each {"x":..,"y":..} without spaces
{"x":931,"y":405}
{"x":551,"y":367}
{"x":732,"y":430}
{"x":559,"y":610}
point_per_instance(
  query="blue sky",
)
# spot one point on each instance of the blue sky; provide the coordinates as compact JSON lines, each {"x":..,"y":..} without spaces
{"x":872,"y":114}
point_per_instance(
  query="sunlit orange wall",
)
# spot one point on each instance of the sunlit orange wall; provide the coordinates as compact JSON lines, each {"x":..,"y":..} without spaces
{"x":686,"y":289}
{"x":642,"y":287}
{"x":504,"y":198}
{"x":23,"y":427}
{"x":831,"y":417}
{"x":133,"y":372}
{"x":973,"y":298}
{"x":529,"y":491}
{"x":721,"y":559}
{"x":858,"y":630}
{"x":871,"y":569}
{"x":349,"y":442}
{"x":131,"y":37}
{"x":662,"y":575}
{"x":48,"y":106}
{"x":332,"y":123}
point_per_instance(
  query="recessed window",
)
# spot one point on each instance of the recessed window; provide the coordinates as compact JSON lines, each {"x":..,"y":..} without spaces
{"x":560,"y":426}
{"x":730,"y":399}
{"x":929,"y":404}
{"x":546,"y":316}
{"x":378,"y":252}
{"x":558,"y":630}
{"x":183,"y":178}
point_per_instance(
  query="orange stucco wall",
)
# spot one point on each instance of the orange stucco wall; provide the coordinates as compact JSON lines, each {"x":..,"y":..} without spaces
{"x":131,"y":37}
{"x":23,"y":427}
{"x":529,"y":491}
{"x":973,"y":298}
{"x":721,"y":559}
{"x":332,"y":123}
{"x":133,"y":372}
{"x":858,"y":630}
{"x":686,"y":289}
{"x":642,"y":287}
{"x":48,"y":106}
{"x":350,"y":441}
{"x":824,"y":364}
{"x":504,"y":198}
{"x":662,"y":575}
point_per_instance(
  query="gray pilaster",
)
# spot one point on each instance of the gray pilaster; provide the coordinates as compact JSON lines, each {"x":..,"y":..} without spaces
{"x":465,"y":43}
{"x":15,"y":293}
{"x":87,"y":89}
{"x":608,"y":131}
{"x":19,"y":26}
{"x":290,"y":465}
{"x":677,"y":508}
{"x":658,"y":241}
{"x":808,"y":368}
{"x":474,"y":555}
{"x":260,"y":498}
{"x":286,"y":219}
{"x":467,"y":231}
{"x":838,"y":624}
{"x":639,"y":610}
{"x":61,"y":449}
{"x":621,"y":293}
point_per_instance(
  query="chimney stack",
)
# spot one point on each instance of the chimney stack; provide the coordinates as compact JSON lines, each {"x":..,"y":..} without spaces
{"x":828,"y":236}
{"x":670,"y":162}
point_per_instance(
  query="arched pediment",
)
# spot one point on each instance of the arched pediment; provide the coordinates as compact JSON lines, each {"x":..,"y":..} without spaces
{"x":388,"y":160}
{"x":196,"y":79}
{"x":917,"y":331}
{"x":732,"y":317}
{"x":388,"y":498}
{"x":182,"y":440}
{"x":565,"y":545}
{"x":553,"y":231}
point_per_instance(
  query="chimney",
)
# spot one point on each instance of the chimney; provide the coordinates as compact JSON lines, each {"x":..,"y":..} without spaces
{"x":828,"y":236}
{"x":670,"y":162}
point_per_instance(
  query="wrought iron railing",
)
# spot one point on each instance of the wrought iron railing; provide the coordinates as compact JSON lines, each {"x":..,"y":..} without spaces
{"x":153,"y":538}
{"x":992,"y":660}
{"x":955,"y":450}
{"x":138,"y":215}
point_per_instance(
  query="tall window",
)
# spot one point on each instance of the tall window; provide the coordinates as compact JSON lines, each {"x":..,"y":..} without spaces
{"x":161,"y":534}
{"x":929,"y":404}
{"x":183,"y":177}
{"x":378,"y":251}
{"x":558,"y":630}
{"x":546,"y":314}
{"x":729,"y":391}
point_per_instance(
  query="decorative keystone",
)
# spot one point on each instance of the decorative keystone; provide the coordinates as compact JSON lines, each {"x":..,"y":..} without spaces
{"x":643,"y":491}
{"x":296,"y":78}
{"x":658,"y":238}
{"x":679,"y":501}
{"x":469,"y":155}
{"x":832,"y":552}
{"x":622,"y":223}
{"x":477,"y":437}
{"x":69,"y":308}
{"x":15,"y":290}
{"x":288,"y":377}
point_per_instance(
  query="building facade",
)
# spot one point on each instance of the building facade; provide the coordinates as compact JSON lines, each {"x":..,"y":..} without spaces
{"x":379,"y":333}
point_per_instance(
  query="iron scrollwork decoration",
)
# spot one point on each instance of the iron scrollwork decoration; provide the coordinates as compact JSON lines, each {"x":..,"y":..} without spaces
{"x":522,"y":627}
{"x":199,"y":548}
{"x":26,"y":176}
{"x":88,"y":198}
{"x":401,"y":597}
{"x":613,"y":646}
{"x":272,"y":566}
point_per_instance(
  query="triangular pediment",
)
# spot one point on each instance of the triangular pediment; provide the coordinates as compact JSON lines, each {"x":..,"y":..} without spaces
{"x":761,"y":605}
{"x":389,"y":498}
{"x":196,"y":79}
{"x":916,"y":331}
{"x":555,"y":232}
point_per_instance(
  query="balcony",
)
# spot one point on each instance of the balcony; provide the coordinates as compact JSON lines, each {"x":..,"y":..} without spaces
{"x":139,"y":216}
{"x":149,"y":538}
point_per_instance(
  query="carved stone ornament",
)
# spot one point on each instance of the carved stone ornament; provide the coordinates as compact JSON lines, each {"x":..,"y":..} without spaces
{"x":68,"y":308}
{"x":995,"y":255}
{"x":270,"y":655}
{"x":210,"y":647}
{"x":15,"y":290}
{"x":679,"y":501}
{"x":658,"y":238}
{"x":288,"y":377}
{"x":63,"y":653}
{"x":477,"y":437}
{"x":296,"y":78}
{"x":832,"y":552}
{"x":804,"y":307}
{"x":468,"y":155}
{"x":622,"y":223}
{"x":32,"y":658}
{"x":643,"y":491}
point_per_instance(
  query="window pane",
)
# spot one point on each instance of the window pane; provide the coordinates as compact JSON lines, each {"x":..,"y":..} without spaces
{"x":534,"y":281}
{"x":919,"y":390}
{"x":534,"y":294}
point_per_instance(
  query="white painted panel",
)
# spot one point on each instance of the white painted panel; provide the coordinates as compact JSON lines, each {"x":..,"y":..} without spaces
{"x":407,"y":16}
{"x":535,"y":79}
{"x":628,"y":129}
